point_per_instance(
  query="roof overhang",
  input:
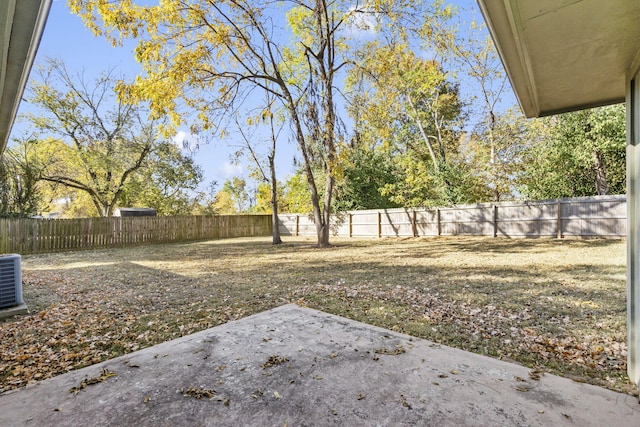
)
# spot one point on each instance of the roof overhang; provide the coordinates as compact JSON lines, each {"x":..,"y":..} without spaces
{"x":21,"y":25}
{"x":565,"y":55}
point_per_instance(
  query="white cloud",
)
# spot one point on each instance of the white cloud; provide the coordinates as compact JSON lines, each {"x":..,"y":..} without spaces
{"x":186,"y":141}
{"x":229,"y":170}
{"x":362,"y":23}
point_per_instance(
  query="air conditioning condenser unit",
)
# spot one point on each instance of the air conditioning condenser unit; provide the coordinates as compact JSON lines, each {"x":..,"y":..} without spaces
{"x":10,"y":281}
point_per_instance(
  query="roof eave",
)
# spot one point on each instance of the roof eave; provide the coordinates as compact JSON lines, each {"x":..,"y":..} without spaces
{"x":565,"y":55}
{"x":20,"y":34}
{"x":511,"y":53}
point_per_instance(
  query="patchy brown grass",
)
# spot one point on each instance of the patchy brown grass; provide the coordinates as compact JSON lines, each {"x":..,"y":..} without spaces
{"x":558,"y":305}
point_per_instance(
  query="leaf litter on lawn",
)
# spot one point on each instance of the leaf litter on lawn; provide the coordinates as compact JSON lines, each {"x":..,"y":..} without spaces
{"x":554,"y":305}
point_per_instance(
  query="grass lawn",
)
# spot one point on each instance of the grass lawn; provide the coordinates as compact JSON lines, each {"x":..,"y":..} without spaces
{"x":559,"y":305}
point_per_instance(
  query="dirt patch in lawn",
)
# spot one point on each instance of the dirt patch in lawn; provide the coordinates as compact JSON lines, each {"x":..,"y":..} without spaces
{"x":557,"y":305}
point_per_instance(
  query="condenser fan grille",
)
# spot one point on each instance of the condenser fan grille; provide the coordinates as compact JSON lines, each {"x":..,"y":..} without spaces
{"x":9,"y":281}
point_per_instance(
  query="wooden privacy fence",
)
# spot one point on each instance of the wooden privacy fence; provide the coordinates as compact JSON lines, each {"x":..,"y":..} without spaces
{"x":30,"y":236}
{"x":601,"y":216}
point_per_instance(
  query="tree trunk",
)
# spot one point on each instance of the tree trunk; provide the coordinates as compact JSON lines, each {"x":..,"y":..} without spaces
{"x":492,"y":160}
{"x":423,"y":133}
{"x":318,"y":218}
{"x":313,"y":189}
{"x":275,"y":233}
{"x":276,"y":240}
{"x":323,"y":236}
{"x":602,"y":187}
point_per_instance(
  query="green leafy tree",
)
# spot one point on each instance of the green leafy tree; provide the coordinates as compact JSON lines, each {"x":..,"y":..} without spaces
{"x":297,"y":198}
{"x":78,"y":204}
{"x":20,"y":171}
{"x":264,"y":195}
{"x":206,"y":201}
{"x":365,"y":176}
{"x":408,"y":98}
{"x":96,"y":142}
{"x":496,"y":155}
{"x":168,"y":182}
{"x":410,"y":108}
{"x":471,"y":52}
{"x":582,"y":154}
{"x":233,"y":197}
{"x":224,"y":204}
{"x":263,"y":199}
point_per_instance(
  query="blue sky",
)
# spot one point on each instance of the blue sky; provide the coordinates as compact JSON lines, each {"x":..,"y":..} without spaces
{"x":66,"y":38}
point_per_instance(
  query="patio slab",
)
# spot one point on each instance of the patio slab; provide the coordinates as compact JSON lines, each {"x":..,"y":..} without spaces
{"x":293,"y":366}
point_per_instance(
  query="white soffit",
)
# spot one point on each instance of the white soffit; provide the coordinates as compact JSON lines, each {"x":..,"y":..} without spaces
{"x":21,"y":26}
{"x":565,"y":55}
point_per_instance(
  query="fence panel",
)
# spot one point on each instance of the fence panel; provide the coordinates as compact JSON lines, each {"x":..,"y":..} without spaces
{"x":533,"y":219}
{"x":364,"y":224}
{"x":306,"y":226}
{"x":397,"y":223}
{"x":467,"y":221}
{"x":427,"y":223}
{"x":595,"y":217}
{"x":603,"y":216}
{"x":30,"y":236}
{"x":288,"y":224}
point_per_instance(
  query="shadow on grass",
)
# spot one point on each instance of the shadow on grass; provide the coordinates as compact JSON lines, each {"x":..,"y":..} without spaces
{"x":497,"y":297}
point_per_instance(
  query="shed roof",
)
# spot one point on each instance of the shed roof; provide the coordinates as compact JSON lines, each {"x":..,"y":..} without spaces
{"x":565,"y":55}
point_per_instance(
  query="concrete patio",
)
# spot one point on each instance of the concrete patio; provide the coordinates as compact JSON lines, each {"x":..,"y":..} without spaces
{"x":294,"y":366}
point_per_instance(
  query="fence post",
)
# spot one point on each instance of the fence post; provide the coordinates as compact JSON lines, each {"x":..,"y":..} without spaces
{"x":495,"y":221}
{"x":438,"y":221}
{"x":559,"y":220}
{"x":350,"y":224}
{"x":297,"y":224}
{"x":379,"y":224}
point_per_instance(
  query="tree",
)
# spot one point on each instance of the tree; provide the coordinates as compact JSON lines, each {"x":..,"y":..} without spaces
{"x":496,"y":154}
{"x":209,"y":55}
{"x":473,"y":55}
{"x":263,"y":198}
{"x":408,"y":91}
{"x":364,"y":178}
{"x":266,"y":173}
{"x":207,"y":201}
{"x":224,"y":204}
{"x":96,"y":141}
{"x":297,"y":198}
{"x":582,"y":154}
{"x":233,"y":198}
{"x":408,"y":106}
{"x":20,"y":170}
{"x":167,"y":183}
